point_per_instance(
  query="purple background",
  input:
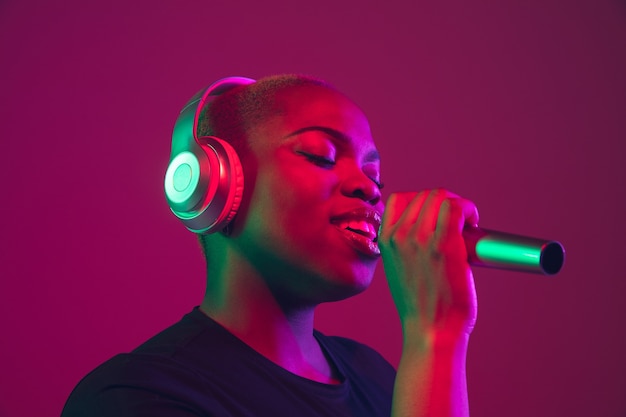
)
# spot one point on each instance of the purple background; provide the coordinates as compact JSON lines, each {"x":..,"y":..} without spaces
{"x":520,"y":106}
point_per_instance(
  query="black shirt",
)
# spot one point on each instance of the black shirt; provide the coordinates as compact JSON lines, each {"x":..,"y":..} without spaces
{"x":197,"y":368}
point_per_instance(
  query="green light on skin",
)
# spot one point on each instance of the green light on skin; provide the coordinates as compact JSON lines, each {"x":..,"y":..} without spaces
{"x":489,"y":250}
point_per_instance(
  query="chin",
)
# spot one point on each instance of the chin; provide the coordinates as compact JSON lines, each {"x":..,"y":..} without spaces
{"x":347,"y":286}
{"x":323,"y":279}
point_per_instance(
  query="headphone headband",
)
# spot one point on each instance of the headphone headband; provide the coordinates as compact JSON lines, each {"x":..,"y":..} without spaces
{"x":184,"y":137}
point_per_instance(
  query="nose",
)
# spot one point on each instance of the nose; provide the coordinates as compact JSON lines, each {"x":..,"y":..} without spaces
{"x":359,"y":185}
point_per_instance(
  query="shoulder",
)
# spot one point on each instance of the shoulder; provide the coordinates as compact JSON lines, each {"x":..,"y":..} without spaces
{"x":125,"y":381}
{"x":158,"y":375}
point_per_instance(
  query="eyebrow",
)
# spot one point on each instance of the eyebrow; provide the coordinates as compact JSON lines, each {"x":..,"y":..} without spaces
{"x":373,"y":155}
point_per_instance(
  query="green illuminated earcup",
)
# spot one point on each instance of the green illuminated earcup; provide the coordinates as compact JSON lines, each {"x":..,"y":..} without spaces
{"x":203,"y":186}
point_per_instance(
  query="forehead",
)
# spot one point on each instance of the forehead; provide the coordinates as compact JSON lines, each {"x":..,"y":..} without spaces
{"x":316,"y":104}
{"x":305,"y":107}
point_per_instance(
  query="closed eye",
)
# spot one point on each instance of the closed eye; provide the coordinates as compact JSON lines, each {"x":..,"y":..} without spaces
{"x":325,"y":162}
{"x":318,"y":160}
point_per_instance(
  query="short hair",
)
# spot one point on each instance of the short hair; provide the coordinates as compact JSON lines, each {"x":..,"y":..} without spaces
{"x":231,"y":115}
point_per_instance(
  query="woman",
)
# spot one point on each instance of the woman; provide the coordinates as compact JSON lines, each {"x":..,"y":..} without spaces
{"x":309,"y":229}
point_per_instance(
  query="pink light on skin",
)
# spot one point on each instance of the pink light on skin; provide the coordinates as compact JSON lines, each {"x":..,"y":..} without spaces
{"x":306,"y":232}
{"x":313,"y":164}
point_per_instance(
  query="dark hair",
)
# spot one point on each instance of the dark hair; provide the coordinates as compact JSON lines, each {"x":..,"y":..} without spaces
{"x":231,"y":115}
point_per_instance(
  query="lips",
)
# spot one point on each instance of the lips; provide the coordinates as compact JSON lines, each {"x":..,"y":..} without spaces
{"x":360,"y":228}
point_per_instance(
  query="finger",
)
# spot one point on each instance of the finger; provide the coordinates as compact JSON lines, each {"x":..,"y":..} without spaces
{"x":407,"y":222}
{"x":454,"y":215}
{"x":427,"y":220}
{"x":470,"y":212}
{"x":393,"y":210}
{"x":401,"y":212}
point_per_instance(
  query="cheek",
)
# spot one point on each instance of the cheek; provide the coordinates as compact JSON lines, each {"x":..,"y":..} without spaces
{"x":301,"y":184}
{"x":296,"y":195}
{"x":299,"y":201}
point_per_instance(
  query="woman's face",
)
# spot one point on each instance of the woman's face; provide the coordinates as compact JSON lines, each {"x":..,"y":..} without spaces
{"x":312,"y":220}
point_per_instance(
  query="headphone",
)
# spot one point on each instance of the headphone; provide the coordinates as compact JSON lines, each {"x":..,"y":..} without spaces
{"x":204,"y":179}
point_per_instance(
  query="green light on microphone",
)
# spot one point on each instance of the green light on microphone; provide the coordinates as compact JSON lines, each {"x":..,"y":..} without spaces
{"x":492,"y":250}
{"x":508,"y":251}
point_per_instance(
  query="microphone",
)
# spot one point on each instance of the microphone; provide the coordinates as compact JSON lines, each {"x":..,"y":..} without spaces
{"x":501,"y":250}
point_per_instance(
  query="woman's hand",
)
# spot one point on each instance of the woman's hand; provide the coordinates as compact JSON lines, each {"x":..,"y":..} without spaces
{"x":425,"y":262}
{"x":431,"y":283}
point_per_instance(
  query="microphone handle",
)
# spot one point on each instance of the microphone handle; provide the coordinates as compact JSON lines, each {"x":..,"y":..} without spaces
{"x":493,"y":249}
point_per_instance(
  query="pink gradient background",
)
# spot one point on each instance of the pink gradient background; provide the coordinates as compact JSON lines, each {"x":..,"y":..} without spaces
{"x":520,"y":106}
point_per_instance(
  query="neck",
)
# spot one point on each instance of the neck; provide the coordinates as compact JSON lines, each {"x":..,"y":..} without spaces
{"x":240,"y":300}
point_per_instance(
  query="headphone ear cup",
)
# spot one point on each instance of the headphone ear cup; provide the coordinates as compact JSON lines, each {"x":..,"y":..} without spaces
{"x":204,"y":187}
{"x":232,"y":188}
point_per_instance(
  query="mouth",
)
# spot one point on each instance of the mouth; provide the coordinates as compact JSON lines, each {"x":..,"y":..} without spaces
{"x":360,"y":228}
